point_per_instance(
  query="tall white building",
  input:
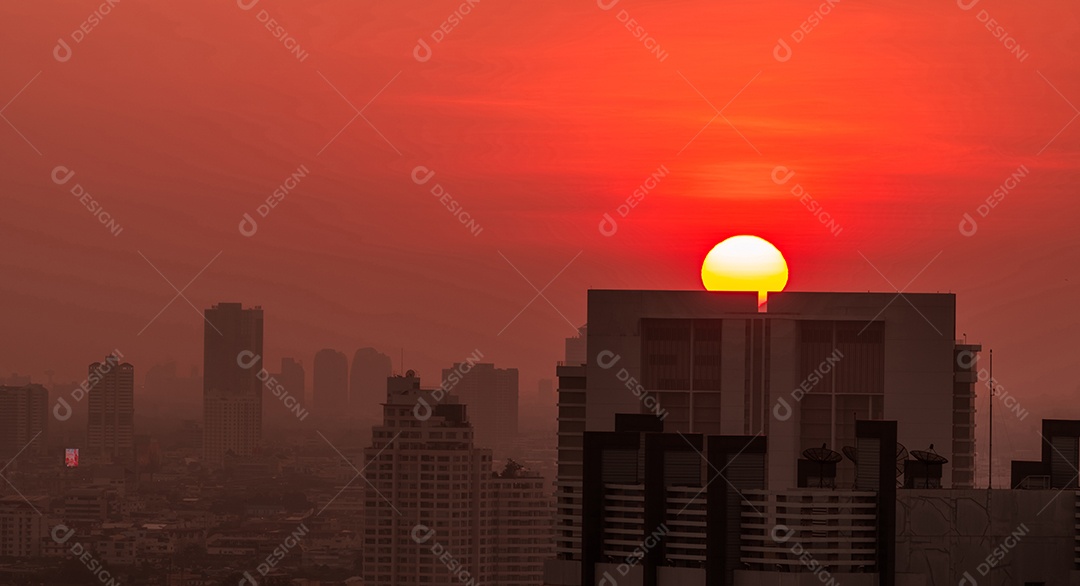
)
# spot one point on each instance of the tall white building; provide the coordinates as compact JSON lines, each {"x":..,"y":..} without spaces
{"x":435,"y":511}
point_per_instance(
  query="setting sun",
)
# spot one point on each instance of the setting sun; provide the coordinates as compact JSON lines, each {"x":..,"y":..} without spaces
{"x":745,"y":263}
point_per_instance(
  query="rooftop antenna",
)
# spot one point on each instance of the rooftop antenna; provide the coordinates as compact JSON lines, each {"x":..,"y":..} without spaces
{"x":990,"y":452}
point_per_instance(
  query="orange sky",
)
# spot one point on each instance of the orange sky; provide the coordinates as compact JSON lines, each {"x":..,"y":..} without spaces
{"x":180,"y":118}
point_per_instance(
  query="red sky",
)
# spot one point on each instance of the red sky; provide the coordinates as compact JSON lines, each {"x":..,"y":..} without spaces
{"x":179,"y":118}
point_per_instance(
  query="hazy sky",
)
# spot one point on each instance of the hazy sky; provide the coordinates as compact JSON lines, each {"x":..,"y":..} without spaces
{"x":179,"y":118}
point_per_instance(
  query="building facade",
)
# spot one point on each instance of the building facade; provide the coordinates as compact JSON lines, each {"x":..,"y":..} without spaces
{"x":110,"y":427}
{"x":24,"y":417}
{"x":801,"y":373}
{"x":492,"y":396}
{"x":675,"y":509}
{"x":232,"y":392}
{"x":435,"y":512}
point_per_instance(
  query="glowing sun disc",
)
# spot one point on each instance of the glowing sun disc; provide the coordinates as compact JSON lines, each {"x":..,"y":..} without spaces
{"x":745,"y":263}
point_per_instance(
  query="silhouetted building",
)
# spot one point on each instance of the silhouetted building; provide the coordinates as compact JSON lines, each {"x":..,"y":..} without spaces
{"x":110,"y":426}
{"x":434,"y":496}
{"x":671,"y":509}
{"x":492,"y":396}
{"x":330,"y":383}
{"x":24,"y":417}
{"x":367,"y":382}
{"x":801,"y":374}
{"x":232,"y":392}
{"x":1060,"y":459}
{"x":575,"y":347}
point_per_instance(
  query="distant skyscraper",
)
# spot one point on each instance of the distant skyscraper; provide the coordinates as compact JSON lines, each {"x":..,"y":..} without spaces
{"x":367,"y":382}
{"x":232,"y":393}
{"x":330,"y":383}
{"x":110,"y":427}
{"x":492,"y":396}
{"x":436,"y":497}
{"x":24,"y":414}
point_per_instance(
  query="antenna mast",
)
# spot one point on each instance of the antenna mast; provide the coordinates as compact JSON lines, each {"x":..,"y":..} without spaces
{"x":990,"y":454}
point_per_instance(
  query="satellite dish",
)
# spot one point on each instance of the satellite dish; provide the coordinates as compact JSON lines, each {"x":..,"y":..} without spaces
{"x":929,"y":456}
{"x":826,"y":460}
{"x":851,"y":454}
{"x":410,"y":373}
{"x":822,"y":454}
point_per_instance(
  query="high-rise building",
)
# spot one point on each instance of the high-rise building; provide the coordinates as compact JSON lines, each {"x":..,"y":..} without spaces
{"x":800,"y":374}
{"x":492,"y":396}
{"x":435,"y":511}
{"x":24,"y":416}
{"x":232,"y":392}
{"x":521,"y":508}
{"x":330,"y":383}
{"x":367,"y":382}
{"x":110,"y":427}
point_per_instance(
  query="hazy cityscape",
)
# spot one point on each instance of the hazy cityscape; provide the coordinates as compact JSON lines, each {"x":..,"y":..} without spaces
{"x":587,"y":293}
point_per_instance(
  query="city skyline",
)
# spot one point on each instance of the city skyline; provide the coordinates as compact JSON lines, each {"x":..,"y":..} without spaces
{"x":880,"y":179}
{"x":588,"y":293}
